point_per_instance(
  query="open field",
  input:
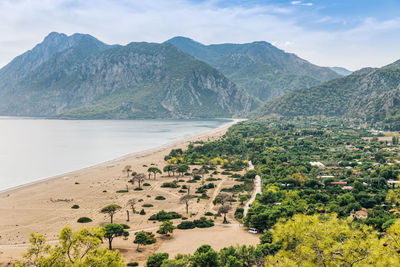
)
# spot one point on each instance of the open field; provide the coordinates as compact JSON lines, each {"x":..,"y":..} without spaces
{"x":45,"y":207}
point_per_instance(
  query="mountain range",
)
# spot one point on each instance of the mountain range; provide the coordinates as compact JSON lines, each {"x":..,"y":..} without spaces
{"x":79,"y":76}
{"x":260,"y":68}
{"x":370,"y":95}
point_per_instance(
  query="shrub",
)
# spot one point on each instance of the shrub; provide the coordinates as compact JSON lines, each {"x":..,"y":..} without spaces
{"x":203,"y":223}
{"x":186,"y":225}
{"x":181,"y":181}
{"x":146,"y":184}
{"x":84,"y":220}
{"x":147,"y":205}
{"x":142,"y":212}
{"x":75,"y":207}
{"x":212,"y":179}
{"x":133,"y":264}
{"x":138,"y":189}
{"x":182,"y":191}
{"x":184,"y":186}
{"x":170,"y":184}
{"x":122,"y":191}
{"x":163,"y":216}
{"x":191,"y":181}
{"x":239,"y":213}
{"x":208,"y":213}
{"x":160,"y":198}
{"x":226,"y":173}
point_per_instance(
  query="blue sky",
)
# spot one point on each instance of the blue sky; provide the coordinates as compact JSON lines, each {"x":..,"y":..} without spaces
{"x":347,"y":33}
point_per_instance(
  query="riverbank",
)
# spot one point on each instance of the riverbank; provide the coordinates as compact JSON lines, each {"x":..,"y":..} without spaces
{"x":45,"y":206}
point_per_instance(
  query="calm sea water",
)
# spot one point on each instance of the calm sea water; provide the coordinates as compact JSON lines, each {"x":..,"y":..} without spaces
{"x":33,"y":149}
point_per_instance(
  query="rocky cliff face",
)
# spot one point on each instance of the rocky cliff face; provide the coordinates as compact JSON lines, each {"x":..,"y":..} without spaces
{"x":80,"y":77}
{"x":260,"y":68}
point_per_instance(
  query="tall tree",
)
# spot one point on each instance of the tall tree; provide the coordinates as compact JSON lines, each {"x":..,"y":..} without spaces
{"x":113,"y":230}
{"x":110,"y":210}
{"x":154,"y":171}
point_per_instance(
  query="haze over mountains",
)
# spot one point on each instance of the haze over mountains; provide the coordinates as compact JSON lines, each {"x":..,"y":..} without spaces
{"x":259,"y":67}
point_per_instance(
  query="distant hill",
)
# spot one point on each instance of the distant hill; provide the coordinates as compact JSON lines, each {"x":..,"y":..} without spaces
{"x":260,"y":68}
{"x":371,"y":95}
{"x":341,"y":71}
{"x":78,"y":76}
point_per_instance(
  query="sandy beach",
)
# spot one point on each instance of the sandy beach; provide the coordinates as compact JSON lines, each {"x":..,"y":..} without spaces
{"x":45,"y":206}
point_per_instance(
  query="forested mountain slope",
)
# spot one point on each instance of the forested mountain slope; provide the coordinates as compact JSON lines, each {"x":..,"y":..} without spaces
{"x":369,"y":94}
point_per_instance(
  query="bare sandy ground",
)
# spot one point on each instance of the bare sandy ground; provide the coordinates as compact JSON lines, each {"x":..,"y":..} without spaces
{"x":45,"y":207}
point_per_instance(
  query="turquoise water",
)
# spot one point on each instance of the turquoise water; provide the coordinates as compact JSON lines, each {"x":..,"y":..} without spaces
{"x":34,"y":149}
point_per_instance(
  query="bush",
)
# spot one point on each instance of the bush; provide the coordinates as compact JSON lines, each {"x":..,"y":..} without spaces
{"x":147,"y":205}
{"x":84,"y":220}
{"x":191,"y":181}
{"x":209,"y":213}
{"x":184,"y":186}
{"x":226,"y":173}
{"x":170,"y":184}
{"x":186,"y":225}
{"x":160,"y":198}
{"x":75,"y":207}
{"x":239,"y":213}
{"x":182,"y":191}
{"x":163,"y":216}
{"x":138,"y":189}
{"x":142,"y":212}
{"x":203,"y":223}
{"x":146,"y":184}
{"x":133,"y":264}
{"x":122,"y":191}
{"x":212,"y":179}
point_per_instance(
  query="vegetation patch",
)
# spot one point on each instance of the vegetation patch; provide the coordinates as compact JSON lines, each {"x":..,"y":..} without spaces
{"x":84,"y":220}
{"x":163,"y":216}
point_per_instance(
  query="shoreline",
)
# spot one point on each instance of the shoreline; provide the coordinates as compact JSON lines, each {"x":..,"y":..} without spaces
{"x":142,"y":153}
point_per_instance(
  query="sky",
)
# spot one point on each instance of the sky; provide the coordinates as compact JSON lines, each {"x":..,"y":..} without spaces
{"x":346,"y":33}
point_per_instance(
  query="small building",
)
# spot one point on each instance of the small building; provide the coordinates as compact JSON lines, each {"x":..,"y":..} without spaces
{"x":361,"y":214}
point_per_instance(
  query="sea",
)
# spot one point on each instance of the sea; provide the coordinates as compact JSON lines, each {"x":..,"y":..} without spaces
{"x":32,"y":149}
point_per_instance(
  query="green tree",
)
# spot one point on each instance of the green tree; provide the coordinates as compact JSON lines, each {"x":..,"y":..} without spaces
{"x":81,"y":248}
{"x":168,"y":168}
{"x":113,"y":230}
{"x":166,"y":228}
{"x":111,"y":210}
{"x":154,"y":171}
{"x":141,"y":238}
{"x":156,"y":259}
{"x":182,"y":169}
{"x":205,"y":256}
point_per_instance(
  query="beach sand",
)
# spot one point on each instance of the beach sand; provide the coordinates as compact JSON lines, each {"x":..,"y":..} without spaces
{"x":45,"y":206}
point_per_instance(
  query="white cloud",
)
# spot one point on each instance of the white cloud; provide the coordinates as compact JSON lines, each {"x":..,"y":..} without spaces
{"x":24,"y":23}
{"x":301,"y":3}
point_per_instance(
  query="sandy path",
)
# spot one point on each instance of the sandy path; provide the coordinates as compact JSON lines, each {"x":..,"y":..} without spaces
{"x":257,"y":190}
